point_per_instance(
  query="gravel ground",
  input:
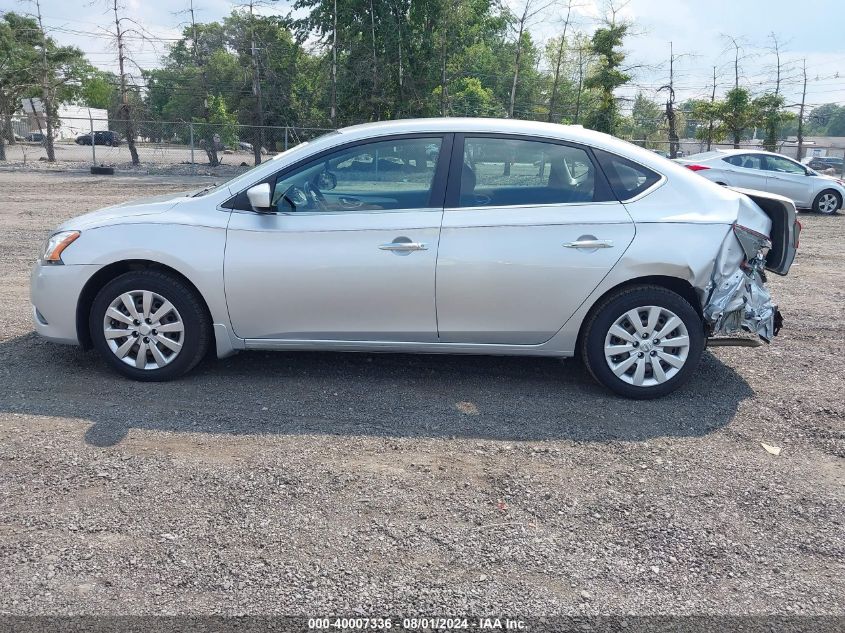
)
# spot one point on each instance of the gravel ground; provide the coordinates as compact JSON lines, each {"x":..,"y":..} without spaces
{"x":325,"y":483}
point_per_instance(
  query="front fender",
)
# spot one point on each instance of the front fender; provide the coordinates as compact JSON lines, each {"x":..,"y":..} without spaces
{"x":196,"y":252}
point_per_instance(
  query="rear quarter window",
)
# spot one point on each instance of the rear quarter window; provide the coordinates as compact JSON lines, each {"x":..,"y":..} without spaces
{"x":627,"y":178}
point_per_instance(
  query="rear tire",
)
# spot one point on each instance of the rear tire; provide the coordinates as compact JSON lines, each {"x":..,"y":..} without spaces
{"x":648,"y":358}
{"x":827,"y":202}
{"x":149,"y":326}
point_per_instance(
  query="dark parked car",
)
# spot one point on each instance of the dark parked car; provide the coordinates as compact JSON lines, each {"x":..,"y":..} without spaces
{"x":34,"y":137}
{"x":821,"y":163}
{"x":101,"y":137}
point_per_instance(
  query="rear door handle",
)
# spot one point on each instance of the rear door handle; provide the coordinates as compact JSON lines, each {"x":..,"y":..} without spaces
{"x":589,"y":244}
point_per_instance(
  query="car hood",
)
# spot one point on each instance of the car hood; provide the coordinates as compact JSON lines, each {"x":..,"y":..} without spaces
{"x":834,"y":179}
{"x":117,"y":213}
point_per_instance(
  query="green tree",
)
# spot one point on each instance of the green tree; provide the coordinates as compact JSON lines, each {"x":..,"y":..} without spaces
{"x":769,"y":110}
{"x":265,"y":95}
{"x":59,"y":71}
{"x":99,"y":90}
{"x":18,"y":60}
{"x":737,"y":113}
{"x":423,"y":51}
{"x":819,"y":118}
{"x":647,"y":120}
{"x":470,"y":98}
{"x":607,"y":75}
{"x":836,"y":125}
{"x":217,"y":123}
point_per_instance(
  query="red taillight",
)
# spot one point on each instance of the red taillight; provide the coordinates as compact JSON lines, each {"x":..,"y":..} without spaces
{"x":696,"y":167}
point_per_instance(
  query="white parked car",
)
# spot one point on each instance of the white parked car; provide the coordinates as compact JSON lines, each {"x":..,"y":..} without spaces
{"x":513,"y":237}
{"x":765,"y":171}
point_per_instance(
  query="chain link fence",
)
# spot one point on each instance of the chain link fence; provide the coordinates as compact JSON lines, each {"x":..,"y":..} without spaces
{"x":179,"y":146}
{"x":195,"y":146}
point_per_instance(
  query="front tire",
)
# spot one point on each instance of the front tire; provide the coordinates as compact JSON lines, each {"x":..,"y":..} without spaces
{"x":149,"y":326}
{"x":643,"y":342}
{"x":827,"y":202}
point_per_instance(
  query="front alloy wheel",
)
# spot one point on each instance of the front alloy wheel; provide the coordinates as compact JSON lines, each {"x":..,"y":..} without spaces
{"x":150,"y":325}
{"x":827,"y":202}
{"x":143,"y":329}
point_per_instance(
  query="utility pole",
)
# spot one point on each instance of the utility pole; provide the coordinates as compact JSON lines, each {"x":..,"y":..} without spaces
{"x":801,"y":114}
{"x":46,"y":97}
{"x":398,"y":18}
{"x":776,"y":49}
{"x":333,"y":113}
{"x":670,"y":106}
{"x":712,"y":105}
{"x":258,"y":108}
{"x":375,"y":100}
{"x":736,"y":63}
{"x":444,"y":39}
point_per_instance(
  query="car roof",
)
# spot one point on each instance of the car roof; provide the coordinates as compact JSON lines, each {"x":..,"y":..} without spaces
{"x":467,"y":125}
{"x":574,"y":133}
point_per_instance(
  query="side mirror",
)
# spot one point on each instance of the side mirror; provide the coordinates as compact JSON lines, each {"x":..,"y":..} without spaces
{"x":259,"y":197}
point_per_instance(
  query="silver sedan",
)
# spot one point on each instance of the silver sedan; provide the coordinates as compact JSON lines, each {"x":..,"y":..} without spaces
{"x":765,"y":171}
{"x":457,"y":236}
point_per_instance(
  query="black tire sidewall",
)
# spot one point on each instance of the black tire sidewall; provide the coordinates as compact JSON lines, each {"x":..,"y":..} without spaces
{"x":185,"y":301}
{"x":818,"y":200}
{"x":612,"y":309}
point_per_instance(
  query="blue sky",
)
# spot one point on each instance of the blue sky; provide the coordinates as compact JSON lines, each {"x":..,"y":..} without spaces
{"x":810,"y":29}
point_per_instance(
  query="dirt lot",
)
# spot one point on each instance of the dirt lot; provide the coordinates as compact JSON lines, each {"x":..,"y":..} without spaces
{"x":327,"y":483}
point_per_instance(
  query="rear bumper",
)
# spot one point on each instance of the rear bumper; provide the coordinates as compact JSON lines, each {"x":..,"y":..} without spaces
{"x":54,"y":293}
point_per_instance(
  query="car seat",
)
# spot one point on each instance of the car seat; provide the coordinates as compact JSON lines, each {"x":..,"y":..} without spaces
{"x":467,"y":180}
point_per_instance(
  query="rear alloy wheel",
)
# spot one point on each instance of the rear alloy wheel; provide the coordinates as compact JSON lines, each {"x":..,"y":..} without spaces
{"x":827,"y":202}
{"x":149,"y":326}
{"x":643,"y":342}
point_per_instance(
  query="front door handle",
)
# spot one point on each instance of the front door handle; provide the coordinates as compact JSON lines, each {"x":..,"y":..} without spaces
{"x":403,"y":245}
{"x":589,"y":244}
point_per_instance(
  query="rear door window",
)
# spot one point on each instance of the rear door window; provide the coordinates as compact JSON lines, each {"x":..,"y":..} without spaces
{"x":627,"y":178}
{"x":746,"y":161}
{"x":525,"y":172}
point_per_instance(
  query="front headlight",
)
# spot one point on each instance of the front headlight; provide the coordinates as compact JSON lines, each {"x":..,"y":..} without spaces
{"x":56,"y":245}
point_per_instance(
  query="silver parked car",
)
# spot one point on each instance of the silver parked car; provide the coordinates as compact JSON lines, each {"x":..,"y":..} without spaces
{"x":765,"y":171}
{"x":511,"y":238}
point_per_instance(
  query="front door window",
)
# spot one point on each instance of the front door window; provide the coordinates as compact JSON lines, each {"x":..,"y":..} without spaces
{"x":381,"y":176}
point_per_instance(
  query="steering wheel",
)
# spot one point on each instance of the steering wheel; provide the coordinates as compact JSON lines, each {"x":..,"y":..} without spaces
{"x":296,"y":197}
{"x":315,"y":196}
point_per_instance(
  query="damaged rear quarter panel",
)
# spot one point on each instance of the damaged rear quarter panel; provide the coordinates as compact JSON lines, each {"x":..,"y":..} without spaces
{"x":695,"y":241}
{"x":784,"y":231}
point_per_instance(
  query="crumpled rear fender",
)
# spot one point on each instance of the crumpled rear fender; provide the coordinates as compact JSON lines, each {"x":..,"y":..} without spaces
{"x":731,"y":298}
{"x":784,"y":230}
